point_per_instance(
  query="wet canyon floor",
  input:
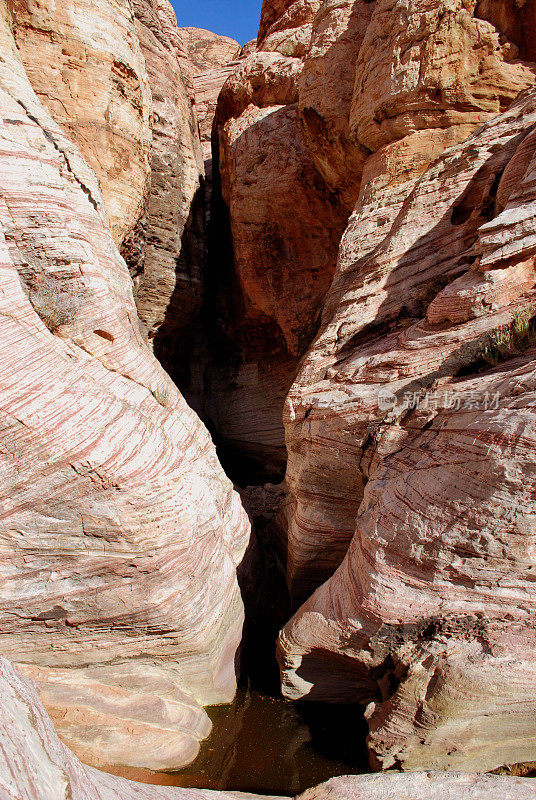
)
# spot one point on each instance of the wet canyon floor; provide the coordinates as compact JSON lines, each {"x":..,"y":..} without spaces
{"x":267,"y":745}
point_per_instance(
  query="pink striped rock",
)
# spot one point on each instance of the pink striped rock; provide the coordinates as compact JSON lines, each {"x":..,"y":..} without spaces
{"x":423,"y":786}
{"x":119,"y":531}
{"x":35,"y":765}
{"x":411,"y":430}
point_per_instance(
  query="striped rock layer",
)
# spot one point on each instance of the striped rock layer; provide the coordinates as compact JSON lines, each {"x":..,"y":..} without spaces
{"x":119,"y":532}
{"x":35,"y":765}
{"x":335,"y":95}
{"x":411,"y":435}
{"x":117,"y":81}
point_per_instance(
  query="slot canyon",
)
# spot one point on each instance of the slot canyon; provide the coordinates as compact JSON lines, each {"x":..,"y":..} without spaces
{"x":268,"y":402}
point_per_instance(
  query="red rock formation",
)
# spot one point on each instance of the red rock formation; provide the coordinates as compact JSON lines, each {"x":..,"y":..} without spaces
{"x":286,"y":26}
{"x":89,"y":71}
{"x":326,"y":90}
{"x":366,"y":89}
{"x":284,"y":226}
{"x":115,"y":84}
{"x":206,"y":50}
{"x":207,"y":87}
{"x":35,"y":764}
{"x":408,"y":109}
{"x":120,"y":533}
{"x":427,"y":394}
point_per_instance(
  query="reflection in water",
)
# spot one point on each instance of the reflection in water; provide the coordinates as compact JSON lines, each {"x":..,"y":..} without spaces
{"x":270,"y":746}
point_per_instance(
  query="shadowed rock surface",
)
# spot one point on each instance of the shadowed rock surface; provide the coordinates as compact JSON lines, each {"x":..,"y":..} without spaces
{"x":166,"y":252}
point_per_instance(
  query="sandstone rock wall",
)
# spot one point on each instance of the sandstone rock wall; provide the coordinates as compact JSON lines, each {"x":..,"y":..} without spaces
{"x":119,"y":531}
{"x":206,"y":50}
{"x":89,"y":72}
{"x":35,"y":765}
{"x":168,"y":277}
{"x":416,"y":93}
{"x":113,"y":80}
{"x":337,"y":96}
{"x":433,"y":288}
{"x":284,"y":225}
{"x":422,"y":378}
{"x":371,"y":249}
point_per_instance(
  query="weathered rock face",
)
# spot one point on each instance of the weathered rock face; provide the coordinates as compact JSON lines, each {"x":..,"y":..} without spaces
{"x":207,"y":87}
{"x":206,"y":50}
{"x":284,"y":225}
{"x":442,"y":68}
{"x":114,"y":82}
{"x":34,"y":764}
{"x":168,"y":286}
{"x":416,"y":93}
{"x":119,"y":532}
{"x":212,"y":60}
{"x":424,"y":786}
{"x":423,"y":379}
{"x":325,"y":95}
{"x":286,"y":26}
{"x":369,"y":94}
{"x":285,"y":230}
{"x":89,"y":72}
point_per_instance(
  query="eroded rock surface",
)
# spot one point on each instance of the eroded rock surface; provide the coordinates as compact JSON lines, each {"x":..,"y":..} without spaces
{"x":89,"y":72}
{"x":35,"y":765}
{"x":423,"y":379}
{"x":427,"y":786}
{"x":206,"y":50}
{"x":168,"y":278}
{"x":369,"y":94}
{"x":116,"y":81}
{"x":423,"y":81}
{"x":119,"y":531}
{"x":284,"y":224}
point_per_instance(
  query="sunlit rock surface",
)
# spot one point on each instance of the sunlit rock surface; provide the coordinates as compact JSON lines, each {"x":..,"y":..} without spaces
{"x":88,"y":70}
{"x":119,"y":531}
{"x":411,"y":430}
{"x":424,"y":786}
{"x":207,"y":50}
{"x":35,"y":765}
{"x":325,"y":94}
{"x":370,"y":94}
{"x":423,"y":81}
{"x":113,"y":80}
